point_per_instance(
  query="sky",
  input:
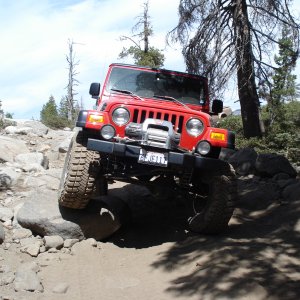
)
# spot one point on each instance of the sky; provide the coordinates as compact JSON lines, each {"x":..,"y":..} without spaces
{"x":34,"y":44}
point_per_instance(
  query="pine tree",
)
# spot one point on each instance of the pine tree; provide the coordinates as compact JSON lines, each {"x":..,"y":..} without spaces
{"x":63,"y":107}
{"x":49,"y":114}
{"x":284,"y":88}
{"x":146,"y":55}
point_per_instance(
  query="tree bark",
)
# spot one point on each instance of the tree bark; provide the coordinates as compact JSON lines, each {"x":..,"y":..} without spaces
{"x":248,"y":96}
{"x":146,"y":28}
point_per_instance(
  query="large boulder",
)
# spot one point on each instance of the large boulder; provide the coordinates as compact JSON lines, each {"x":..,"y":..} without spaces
{"x":35,"y":158}
{"x":292,"y":192}
{"x":8,"y":177}
{"x":42,"y":215}
{"x":31,"y":126}
{"x":14,"y":130}
{"x":243,"y":161}
{"x":10,"y":148}
{"x":270,"y":164}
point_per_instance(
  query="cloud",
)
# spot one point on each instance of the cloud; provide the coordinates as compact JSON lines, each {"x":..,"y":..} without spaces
{"x":35,"y":37}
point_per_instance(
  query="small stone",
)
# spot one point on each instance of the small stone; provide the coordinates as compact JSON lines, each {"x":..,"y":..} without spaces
{"x":66,"y":250}
{"x":28,"y":241}
{"x":92,"y":242}
{"x":43,"y":148}
{"x":28,"y":281}
{"x":54,"y":241}
{"x":6,"y":246}
{"x":61,"y":288}
{"x":21,"y":233}
{"x":68,"y":243}
{"x":42,"y":249}
{"x":52,"y":250}
{"x":26,"y":278}
{"x":8,"y":224}
{"x":6,"y":214}
{"x":32,"y":249}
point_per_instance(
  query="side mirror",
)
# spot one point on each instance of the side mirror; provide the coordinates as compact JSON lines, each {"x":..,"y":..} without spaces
{"x":217,"y":106}
{"x":95,"y":90}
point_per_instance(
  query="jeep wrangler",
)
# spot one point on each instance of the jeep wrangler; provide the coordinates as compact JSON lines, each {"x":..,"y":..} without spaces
{"x":151,"y":126}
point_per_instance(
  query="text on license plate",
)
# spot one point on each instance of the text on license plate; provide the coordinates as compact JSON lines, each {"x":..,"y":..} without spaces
{"x":153,"y":158}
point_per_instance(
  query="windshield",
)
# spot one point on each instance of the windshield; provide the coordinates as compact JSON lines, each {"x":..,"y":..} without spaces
{"x":148,"y":83}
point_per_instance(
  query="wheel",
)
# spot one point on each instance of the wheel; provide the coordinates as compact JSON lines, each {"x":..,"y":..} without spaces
{"x":79,"y":175}
{"x":218,"y":197}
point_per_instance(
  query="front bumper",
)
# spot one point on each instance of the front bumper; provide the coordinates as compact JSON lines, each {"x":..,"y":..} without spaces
{"x":175,"y":159}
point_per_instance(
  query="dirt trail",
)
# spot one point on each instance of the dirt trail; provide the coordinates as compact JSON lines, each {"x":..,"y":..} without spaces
{"x":258,"y":258}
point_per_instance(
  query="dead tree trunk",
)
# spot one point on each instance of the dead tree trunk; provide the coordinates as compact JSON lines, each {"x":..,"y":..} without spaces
{"x":248,"y":96}
{"x":146,"y":28}
{"x":72,"y":82}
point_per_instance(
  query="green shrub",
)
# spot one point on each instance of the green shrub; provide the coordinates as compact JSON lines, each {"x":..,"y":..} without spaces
{"x":282,"y":137}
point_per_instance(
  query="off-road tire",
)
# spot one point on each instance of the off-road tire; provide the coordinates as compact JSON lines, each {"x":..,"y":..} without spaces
{"x":79,"y":174}
{"x":219,"y":206}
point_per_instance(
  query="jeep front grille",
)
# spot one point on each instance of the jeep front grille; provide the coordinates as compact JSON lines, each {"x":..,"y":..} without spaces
{"x":140,"y":115}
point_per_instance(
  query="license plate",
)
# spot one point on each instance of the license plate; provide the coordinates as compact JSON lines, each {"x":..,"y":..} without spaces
{"x":153,"y":158}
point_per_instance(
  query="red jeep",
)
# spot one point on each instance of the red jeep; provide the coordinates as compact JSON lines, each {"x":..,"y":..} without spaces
{"x":152,"y":126}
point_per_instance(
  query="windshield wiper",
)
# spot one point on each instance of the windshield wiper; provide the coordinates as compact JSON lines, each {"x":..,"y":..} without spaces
{"x":127,"y":93}
{"x":171,"y":99}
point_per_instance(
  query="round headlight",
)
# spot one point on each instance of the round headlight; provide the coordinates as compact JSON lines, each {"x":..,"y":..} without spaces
{"x":120,"y":116}
{"x":203,"y":148}
{"x":107,"y":132}
{"x":194,"y":127}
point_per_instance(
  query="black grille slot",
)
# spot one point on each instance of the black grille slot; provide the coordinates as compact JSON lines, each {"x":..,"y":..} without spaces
{"x":139,"y":116}
{"x":173,"y":119}
{"x":135,"y":115}
{"x":143,"y":116}
{"x":180,"y":124}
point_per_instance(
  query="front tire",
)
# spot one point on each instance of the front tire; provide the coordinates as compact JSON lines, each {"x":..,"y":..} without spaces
{"x":217,"y":205}
{"x":79,"y":174}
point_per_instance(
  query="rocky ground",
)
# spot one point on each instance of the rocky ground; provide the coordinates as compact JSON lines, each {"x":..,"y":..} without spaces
{"x":51,"y":253}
